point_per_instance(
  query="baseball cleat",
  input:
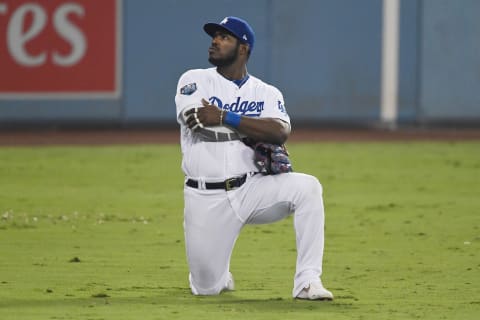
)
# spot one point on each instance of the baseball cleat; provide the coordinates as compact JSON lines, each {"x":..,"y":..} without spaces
{"x":230,"y":285}
{"x":315,"y":291}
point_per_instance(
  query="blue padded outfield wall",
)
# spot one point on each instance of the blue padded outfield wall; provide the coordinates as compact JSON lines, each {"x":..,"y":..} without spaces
{"x":324,"y":55}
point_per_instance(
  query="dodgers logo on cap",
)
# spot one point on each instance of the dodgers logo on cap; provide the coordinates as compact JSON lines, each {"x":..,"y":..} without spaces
{"x":237,"y":26}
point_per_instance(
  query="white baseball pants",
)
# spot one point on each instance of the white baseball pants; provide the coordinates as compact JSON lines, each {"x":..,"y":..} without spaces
{"x":214,"y":218}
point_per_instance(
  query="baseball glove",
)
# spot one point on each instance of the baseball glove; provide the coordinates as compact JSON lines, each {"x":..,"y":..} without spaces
{"x":270,"y":158}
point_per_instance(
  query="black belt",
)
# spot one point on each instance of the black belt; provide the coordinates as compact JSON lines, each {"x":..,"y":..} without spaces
{"x":228,"y":184}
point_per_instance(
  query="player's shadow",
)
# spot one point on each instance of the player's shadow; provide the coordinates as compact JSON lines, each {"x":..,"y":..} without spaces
{"x":277,"y":304}
{"x":179,"y":298}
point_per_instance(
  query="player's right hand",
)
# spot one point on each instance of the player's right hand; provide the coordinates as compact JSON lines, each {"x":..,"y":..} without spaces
{"x":199,"y":117}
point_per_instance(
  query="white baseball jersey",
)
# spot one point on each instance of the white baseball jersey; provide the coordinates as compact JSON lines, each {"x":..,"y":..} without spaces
{"x":254,"y":98}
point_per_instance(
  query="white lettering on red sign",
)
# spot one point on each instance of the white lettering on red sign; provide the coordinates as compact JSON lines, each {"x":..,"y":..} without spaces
{"x":71,"y":33}
{"x":60,"y":49}
{"x":17,"y":38}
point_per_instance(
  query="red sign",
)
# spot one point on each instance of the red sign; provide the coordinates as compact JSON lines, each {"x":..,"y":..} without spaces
{"x":60,"y":48}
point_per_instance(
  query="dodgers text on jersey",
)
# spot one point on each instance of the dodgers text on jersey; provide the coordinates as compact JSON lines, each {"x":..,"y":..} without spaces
{"x":243,"y":107}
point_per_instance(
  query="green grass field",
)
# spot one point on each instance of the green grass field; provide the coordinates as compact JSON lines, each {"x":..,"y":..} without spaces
{"x":96,"y":233}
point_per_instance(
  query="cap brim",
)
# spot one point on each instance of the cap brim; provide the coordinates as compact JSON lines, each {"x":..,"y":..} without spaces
{"x":211,"y":28}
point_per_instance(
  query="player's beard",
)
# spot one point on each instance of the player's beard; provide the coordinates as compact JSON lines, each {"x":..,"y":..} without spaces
{"x":226,"y":61}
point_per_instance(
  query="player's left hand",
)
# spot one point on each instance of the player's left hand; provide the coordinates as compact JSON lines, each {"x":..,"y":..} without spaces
{"x":208,"y":115}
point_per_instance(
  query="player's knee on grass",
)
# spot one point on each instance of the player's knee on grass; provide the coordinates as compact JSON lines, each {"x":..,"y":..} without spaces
{"x":206,"y":282}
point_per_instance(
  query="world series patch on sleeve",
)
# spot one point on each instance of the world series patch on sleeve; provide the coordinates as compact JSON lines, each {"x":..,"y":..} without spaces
{"x":188,"y":89}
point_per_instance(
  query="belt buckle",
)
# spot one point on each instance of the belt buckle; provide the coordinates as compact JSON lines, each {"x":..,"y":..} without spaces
{"x":230,"y":184}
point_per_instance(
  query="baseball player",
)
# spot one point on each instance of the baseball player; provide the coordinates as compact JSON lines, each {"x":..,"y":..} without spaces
{"x":216,"y":109}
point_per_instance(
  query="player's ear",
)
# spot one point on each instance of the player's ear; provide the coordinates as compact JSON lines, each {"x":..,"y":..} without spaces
{"x":245,"y":49}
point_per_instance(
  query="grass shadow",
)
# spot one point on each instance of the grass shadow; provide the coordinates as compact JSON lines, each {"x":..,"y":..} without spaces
{"x":181,"y":298}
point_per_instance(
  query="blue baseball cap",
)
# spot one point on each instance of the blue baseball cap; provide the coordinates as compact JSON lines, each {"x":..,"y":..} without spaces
{"x":238,"y":27}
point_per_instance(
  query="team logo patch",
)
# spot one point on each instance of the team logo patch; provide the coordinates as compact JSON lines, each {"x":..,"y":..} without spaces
{"x":281,"y":107}
{"x":189,"y":89}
